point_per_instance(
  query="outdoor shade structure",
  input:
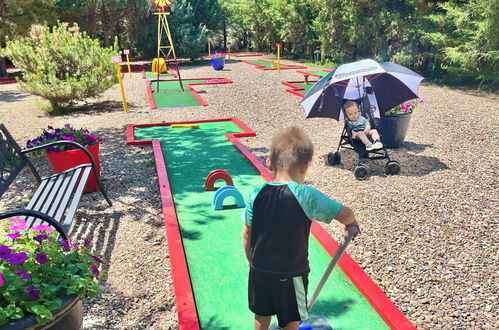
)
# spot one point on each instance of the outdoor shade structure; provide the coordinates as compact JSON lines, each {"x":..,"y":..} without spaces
{"x":386,"y":84}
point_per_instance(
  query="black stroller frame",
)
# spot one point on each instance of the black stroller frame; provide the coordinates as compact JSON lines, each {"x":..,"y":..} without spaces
{"x":361,"y":171}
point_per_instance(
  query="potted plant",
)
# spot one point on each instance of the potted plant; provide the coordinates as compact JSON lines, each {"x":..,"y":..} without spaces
{"x":218,"y":61}
{"x":395,"y":122}
{"x":67,"y":156}
{"x":43,"y":278}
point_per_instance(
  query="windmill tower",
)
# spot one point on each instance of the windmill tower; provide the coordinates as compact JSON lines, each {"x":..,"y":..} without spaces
{"x":165,"y":47}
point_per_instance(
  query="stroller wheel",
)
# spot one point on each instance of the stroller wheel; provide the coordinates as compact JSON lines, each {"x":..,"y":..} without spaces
{"x":334,"y":158}
{"x":361,"y":172}
{"x":392,"y":167}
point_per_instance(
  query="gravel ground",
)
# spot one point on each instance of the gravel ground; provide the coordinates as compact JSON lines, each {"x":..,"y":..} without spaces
{"x":430,"y":236}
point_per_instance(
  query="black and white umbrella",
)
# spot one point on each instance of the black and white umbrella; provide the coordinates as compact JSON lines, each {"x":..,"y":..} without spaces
{"x":391,"y":84}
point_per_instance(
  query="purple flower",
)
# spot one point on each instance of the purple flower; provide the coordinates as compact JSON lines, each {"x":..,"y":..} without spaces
{"x":5,"y":252}
{"x":17,"y":224}
{"x":1,"y":279}
{"x":18,"y":258}
{"x":57,"y":130}
{"x":68,"y":137}
{"x":49,"y":150}
{"x":43,"y":227}
{"x":90,"y":137}
{"x":33,"y":293}
{"x":40,"y":238}
{"x":86,"y":242}
{"x":14,"y":236}
{"x":23,"y":274}
{"x":94,"y":270}
{"x":67,"y":125}
{"x":68,"y":245}
{"x":42,"y":258}
{"x":99,"y":260}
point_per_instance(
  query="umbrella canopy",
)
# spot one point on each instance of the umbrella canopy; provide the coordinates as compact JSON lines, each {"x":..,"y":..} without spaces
{"x":391,"y":84}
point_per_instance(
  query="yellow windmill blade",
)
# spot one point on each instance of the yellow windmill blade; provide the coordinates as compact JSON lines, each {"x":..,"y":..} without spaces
{"x":162,"y":4}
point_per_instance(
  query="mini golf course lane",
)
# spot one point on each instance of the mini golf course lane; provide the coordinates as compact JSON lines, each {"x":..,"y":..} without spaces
{"x":300,"y":88}
{"x":267,"y":65}
{"x":212,"y":239}
{"x":171,"y":95}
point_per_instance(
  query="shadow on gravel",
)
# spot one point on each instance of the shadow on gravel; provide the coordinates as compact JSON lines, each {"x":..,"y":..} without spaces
{"x":412,"y":163}
{"x":12,"y":96}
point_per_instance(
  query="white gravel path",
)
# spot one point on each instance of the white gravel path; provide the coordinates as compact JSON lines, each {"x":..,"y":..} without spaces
{"x":430,"y":237}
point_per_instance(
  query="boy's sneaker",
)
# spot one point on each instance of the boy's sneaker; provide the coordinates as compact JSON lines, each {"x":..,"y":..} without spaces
{"x":377,"y":144}
{"x":369,"y":146}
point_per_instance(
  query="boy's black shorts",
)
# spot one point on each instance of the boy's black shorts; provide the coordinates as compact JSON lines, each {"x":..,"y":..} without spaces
{"x":285,"y":297}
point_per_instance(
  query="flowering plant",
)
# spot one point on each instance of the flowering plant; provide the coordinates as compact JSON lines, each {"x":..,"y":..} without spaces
{"x":68,"y":133}
{"x":406,"y":107}
{"x":218,"y":55}
{"x":36,"y":270}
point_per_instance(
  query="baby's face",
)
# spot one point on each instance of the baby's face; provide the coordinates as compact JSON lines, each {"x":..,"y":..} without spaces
{"x":352,"y":113}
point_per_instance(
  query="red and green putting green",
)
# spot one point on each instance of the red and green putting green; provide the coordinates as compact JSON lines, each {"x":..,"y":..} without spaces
{"x":171,"y":95}
{"x":208,"y":265}
{"x":247,"y":54}
{"x":267,"y":65}
{"x":148,"y":74}
{"x":300,"y":88}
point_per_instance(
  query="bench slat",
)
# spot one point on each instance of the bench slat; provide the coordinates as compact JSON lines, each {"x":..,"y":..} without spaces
{"x":69,"y":192}
{"x":51,"y":201}
{"x":38,"y":199}
{"x":76,"y":200}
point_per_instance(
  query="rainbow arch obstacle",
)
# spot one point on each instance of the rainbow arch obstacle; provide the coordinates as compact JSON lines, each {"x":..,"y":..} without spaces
{"x":225,"y":192}
{"x":209,"y":269}
{"x":216,"y":175}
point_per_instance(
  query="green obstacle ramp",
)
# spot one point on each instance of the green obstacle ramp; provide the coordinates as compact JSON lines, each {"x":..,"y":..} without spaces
{"x":211,"y":240}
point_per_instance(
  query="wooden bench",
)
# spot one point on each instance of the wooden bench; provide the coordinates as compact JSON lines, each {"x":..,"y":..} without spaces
{"x":57,"y":196}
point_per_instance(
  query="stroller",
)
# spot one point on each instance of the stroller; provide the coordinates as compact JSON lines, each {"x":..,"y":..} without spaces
{"x":361,"y":171}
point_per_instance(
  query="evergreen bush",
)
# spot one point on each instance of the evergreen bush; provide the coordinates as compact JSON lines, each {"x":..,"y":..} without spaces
{"x":62,"y":64}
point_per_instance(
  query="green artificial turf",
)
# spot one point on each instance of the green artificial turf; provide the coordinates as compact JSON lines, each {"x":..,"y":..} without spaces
{"x":212,"y":239}
{"x":171,"y":95}
{"x":267,"y":64}
{"x":151,"y":75}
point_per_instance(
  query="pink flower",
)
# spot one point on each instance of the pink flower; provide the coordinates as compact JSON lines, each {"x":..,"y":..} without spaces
{"x":43,"y":227}
{"x":1,"y":279}
{"x":14,"y":236}
{"x":17,"y":224}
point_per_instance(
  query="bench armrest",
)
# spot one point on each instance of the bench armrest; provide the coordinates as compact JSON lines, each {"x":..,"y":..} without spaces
{"x":38,"y":215}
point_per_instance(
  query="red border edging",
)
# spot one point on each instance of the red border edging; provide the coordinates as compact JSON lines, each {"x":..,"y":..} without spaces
{"x":186,"y":308}
{"x":295,"y":88}
{"x":247,"y":54}
{"x":283,"y":66}
{"x":202,"y":102}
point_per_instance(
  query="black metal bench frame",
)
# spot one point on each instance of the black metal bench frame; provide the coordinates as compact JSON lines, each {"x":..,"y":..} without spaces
{"x":57,"y":196}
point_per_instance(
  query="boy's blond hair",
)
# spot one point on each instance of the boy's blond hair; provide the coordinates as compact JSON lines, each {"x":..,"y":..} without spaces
{"x":290,"y":149}
{"x":349,"y":104}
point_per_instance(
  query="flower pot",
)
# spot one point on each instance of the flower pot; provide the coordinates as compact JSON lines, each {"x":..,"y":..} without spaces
{"x":393,"y":129}
{"x":69,"y":316}
{"x":218,"y":63}
{"x":61,"y":161}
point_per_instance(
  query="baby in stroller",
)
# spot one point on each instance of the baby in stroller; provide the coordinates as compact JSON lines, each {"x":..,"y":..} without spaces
{"x":360,"y":127}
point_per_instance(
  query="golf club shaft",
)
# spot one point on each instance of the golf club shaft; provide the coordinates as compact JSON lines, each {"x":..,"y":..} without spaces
{"x":337,"y":255}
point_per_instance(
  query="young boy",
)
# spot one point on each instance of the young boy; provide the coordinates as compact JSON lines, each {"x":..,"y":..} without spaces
{"x":360,"y":127}
{"x":277,"y":222}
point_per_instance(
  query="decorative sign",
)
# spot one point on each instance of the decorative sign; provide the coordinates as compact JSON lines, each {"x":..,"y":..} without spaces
{"x":126,"y":51}
{"x":162,"y":4}
{"x":116,"y":59}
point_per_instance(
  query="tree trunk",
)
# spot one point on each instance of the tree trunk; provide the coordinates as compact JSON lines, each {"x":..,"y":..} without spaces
{"x":3,"y":68}
{"x":225,"y":32}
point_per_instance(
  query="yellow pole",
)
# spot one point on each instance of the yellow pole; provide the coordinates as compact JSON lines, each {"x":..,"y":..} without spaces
{"x":128,"y":63}
{"x":118,"y":69}
{"x":209,"y":51}
{"x":228,"y":44}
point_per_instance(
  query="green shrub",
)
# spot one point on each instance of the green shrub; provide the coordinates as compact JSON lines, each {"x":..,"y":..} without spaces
{"x":62,"y":64}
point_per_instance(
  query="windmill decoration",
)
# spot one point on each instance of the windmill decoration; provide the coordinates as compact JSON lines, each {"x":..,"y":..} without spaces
{"x":164,"y":28}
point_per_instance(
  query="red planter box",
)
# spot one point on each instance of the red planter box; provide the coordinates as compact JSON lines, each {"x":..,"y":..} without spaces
{"x":61,"y":161}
